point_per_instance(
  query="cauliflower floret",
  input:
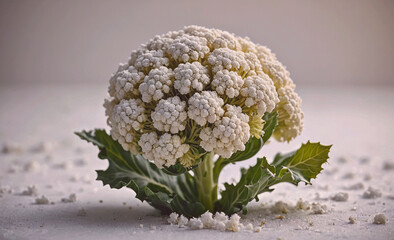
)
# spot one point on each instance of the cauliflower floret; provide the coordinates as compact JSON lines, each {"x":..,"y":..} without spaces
{"x":205,"y":107}
{"x":163,"y":150}
{"x":260,"y":93}
{"x":170,"y":115}
{"x":125,"y":119}
{"x":224,"y":58}
{"x":190,"y":76}
{"x":291,"y":118}
{"x":186,"y":48}
{"x":151,"y":59}
{"x":124,"y":83}
{"x":158,"y":82}
{"x":227,"y":83}
{"x":228,"y":135}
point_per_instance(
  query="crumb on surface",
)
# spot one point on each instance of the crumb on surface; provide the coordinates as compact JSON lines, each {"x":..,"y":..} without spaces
{"x":340,"y":197}
{"x":372,"y":193}
{"x":380,"y":219}
{"x":352,"y":220}
{"x":42,"y":200}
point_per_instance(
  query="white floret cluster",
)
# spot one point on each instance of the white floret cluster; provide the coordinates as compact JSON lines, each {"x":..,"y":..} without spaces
{"x":229,"y":134}
{"x":218,"y":221}
{"x":170,"y":115}
{"x":197,"y":90}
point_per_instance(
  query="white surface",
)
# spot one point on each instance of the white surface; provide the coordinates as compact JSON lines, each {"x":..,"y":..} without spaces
{"x":358,"y":121}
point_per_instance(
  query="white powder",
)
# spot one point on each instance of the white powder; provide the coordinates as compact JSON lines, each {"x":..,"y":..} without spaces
{"x":380,"y":219}
{"x":340,"y":197}
{"x":372,"y":193}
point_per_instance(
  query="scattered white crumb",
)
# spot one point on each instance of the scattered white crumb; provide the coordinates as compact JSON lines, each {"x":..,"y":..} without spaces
{"x":364,"y":160}
{"x":233,"y":223}
{"x":325,"y":187}
{"x":367,"y":177}
{"x":13,"y":169}
{"x":371,"y":193}
{"x":380,"y":219}
{"x":64,"y":165}
{"x":141,"y":225}
{"x":280,"y":207}
{"x":343,"y":159}
{"x":257,"y":229}
{"x":319,"y":198}
{"x":42,"y":200}
{"x":173,"y":218}
{"x":207,"y":220}
{"x":388,"y":166}
{"x":31,"y":166}
{"x":41,"y":147}
{"x":5,"y":190}
{"x":9,"y":148}
{"x":390,"y":197}
{"x":74,"y":178}
{"x":303,"y":205}
{"x":348,"y":176}
{"x":249,"y":227}
{"x":152,"y":227}
{"x":30,"y":191}
{"x":80,"y":162}
{"x":318,"y":208}
{"x":81,"y":212}
{"x":70,"y":199}
{"x":182,"y":221}
{"x":353,"y":208}
{"x":356,"y":186}
{"x":195,"y":223}
{"x":340,"y":197}
{"x":352,"y":220}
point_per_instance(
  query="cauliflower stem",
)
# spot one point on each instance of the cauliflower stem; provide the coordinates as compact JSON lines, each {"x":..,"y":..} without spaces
{"x":185,"y":105}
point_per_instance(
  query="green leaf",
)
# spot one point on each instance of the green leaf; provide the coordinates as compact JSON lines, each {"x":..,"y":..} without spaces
{"x":301,"y":165}
{"x":235,"y":197}
{"x":165,"y":192}
{"x":253,"y":146}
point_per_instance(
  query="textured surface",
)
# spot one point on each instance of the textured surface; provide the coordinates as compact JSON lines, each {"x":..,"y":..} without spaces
{"x":358,"y":121}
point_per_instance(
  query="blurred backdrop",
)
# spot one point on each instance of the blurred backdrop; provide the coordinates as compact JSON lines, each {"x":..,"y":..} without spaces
{"x":321,"y":42}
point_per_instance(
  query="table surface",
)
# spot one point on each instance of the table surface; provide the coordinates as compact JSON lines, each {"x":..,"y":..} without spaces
{"x":358,"y":121}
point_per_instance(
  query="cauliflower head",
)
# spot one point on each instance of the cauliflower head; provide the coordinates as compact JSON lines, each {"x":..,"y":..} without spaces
{"x":198,"y":90}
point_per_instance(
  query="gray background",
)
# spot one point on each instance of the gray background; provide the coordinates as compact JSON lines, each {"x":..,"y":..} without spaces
{"x":321,"y":42}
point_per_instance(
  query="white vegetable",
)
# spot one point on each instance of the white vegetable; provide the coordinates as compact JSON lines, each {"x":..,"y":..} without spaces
{"x":194,"y":91}
{"x":170,"y":115}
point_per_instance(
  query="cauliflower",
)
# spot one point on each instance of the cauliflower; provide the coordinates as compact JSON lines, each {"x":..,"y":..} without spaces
{"x":190,"y":92}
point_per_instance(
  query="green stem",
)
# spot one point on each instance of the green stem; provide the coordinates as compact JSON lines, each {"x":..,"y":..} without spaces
{"x":206,"y":184}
